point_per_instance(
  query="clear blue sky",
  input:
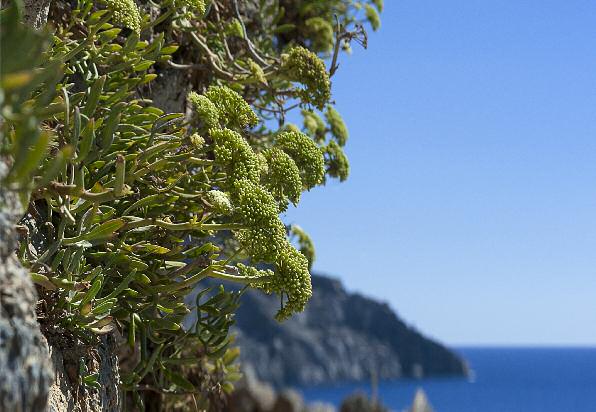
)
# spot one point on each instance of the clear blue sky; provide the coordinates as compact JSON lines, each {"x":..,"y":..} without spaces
{"x":471,"y":206}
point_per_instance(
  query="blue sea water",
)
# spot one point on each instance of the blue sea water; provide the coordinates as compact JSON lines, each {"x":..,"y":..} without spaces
{"x":505,"y":380}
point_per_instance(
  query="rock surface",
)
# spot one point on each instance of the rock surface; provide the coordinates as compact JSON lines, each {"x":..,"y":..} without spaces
{"x":25,"y":369}
{"x":341,"y":336}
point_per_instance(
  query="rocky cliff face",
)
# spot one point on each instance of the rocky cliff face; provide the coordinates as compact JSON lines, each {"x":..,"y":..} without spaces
{"x":340,"y":336}
{"x":25,"y":369}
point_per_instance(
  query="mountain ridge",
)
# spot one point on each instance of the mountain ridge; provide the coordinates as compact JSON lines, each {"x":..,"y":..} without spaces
{"x":341,"y":336}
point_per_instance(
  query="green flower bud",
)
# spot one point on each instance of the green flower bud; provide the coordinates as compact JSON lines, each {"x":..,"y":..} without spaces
{"x":235,"y":156}
{"x":257,"y":72}
{"x":256,"y":208}
{"x":197,"y":6}
{"x":219,"y":201}
{"x":314,"y":125}
{"x":233,"y":109}
{"x":125,"y":13}
{"x":303,"y":66}
{"x":291,"y":127}
{"x":282,"y":178}
{"x":372,"y":16}
{"x":320,"y":32}
{"x":252,"y":272}
{"x":263,"y":244}
{"x":305,"y":153}
{"x":336,"y":161}
{"x":234,"y":28}
{"x":205,"y":109}
{"x":305,"y":243}
{"x":292,"y":278}
{"x":197,"y":141}
{"x":337,"y":125}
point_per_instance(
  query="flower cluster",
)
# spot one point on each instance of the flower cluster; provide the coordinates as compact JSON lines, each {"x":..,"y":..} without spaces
{"x":265,"y":234}
{"x":197,"y":6}
{"x":305,"y":243}
{"x":306,"y":154}
{"x":254,"y":273}
{"x":314,"y":125}
{"x":293,"y":279}
{"x":378,"y":4}
{"x":372,"y":16}
{"x":234,"y":28}
{"x":232,"y":108}
{"x":257,"y":72}
{"x":235,"y":155}
{"x":260,"y":185}
{"x":336,"y":161}
{"x":219,"y":202}
{"x":321,"y":33}
{"x":205,"y":109}
{"x":337,"y":125}
{"x":125,"y":13}
{"x":282,"y":178}
{"x":197,"y":141}
{"x":303,"y":66}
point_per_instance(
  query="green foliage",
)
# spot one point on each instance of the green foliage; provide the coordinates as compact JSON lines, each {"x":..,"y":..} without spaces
{"x":131,"y":208}
{"x":21,"y":136}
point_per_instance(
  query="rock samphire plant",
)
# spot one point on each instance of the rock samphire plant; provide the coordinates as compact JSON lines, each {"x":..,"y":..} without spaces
{"x":149,"y":146}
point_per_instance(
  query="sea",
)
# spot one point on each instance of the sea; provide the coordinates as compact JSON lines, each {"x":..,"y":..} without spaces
{"x":503,"y":380}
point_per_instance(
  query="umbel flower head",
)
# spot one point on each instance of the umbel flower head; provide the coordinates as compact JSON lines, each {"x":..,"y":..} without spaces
{"x":320,"y":32}
{"x":235,"y":156}
{"x":234,"y":28}
{"x":314,"y":125}
{"x":282,"y":178}
{"x":219,"y":202}
{"x":306,"y":154}
{"x":305,"y":243}
{"x":197,"y":141}
{"x":125,"y":13}
{"x":378,"y":4}
{"x":197,"y":6}
{"x":205,"y":109}
{"x":256,"y":208}
{"x":336,"y":161}
{"x":337,"y":125}
{"x":303,"y":66}
{"x":232,"y":108}
{"x":253,"y":272}
{"x":257,"y":73}
{"x":292,"y":278}
{"x":372,"y":16}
